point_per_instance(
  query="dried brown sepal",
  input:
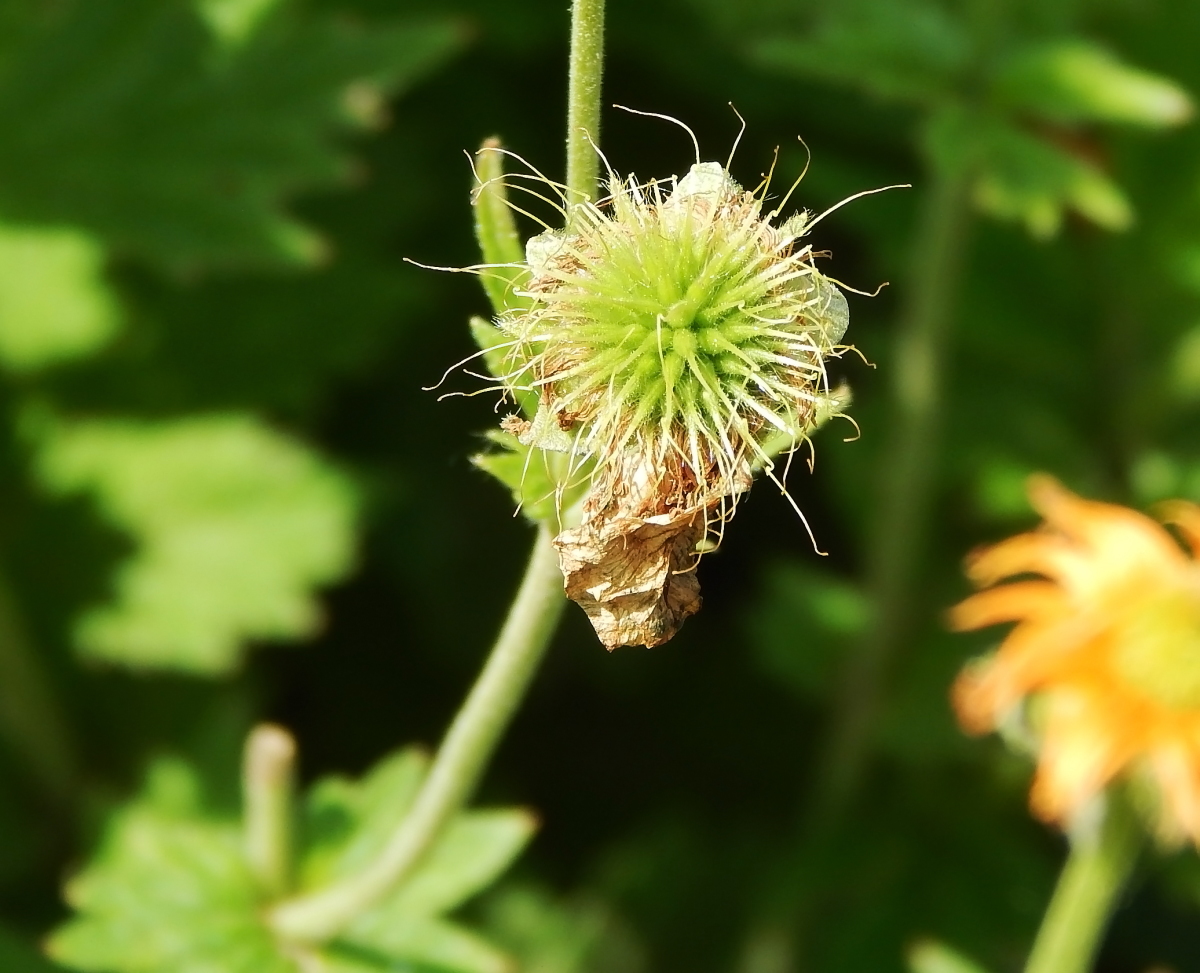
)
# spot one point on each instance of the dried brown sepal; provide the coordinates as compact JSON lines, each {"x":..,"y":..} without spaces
{"x":631,"y":562}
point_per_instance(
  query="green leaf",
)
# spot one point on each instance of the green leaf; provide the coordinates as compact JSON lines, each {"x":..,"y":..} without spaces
{"x":427,"y":942}
{"x":1074,"y":81}
{"x":54,"y":303}
{"x":168,"y":892}
{"x":133,"y":119}
{"x":348,"y":822}
{"x":234,"y":21}
{"x":930,"y":956}
{"x":235,"y":524}
{"x":1030,"y":180}
{"x":912,"y":52}
{"x":18,"y":956}
{"x":472,"y":852}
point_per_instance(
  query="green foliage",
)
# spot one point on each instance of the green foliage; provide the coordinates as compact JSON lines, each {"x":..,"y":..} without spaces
{"x":234,"y":524}
{"x":1009,"y":112}
{"x":170,"y":892}
{"x":54,"y":303}
{"x":135,"y":120}
{"x":929,"y":956}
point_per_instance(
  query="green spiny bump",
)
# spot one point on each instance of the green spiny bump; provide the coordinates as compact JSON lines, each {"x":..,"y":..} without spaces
{"x":684,"y":343}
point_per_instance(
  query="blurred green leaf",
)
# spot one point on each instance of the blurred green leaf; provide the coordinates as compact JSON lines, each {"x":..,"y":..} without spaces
{"x":120,"y":117}
{"x":19,"y":956}
{"x":351,"y":822}
{"x":54,"y":303}
{"x":802,"y":623}
{"x":348,"y":822}
{"x":168,"y":892}
{"x":930,"y":956}
{"x":234,"y":21}
{"x":169,"y":889}
{"x":910,"y":52}
{"x":1031,"y":180}
{"x":1071,"y":80}
{"x":550,"y":933}
{"x":235,"y":524}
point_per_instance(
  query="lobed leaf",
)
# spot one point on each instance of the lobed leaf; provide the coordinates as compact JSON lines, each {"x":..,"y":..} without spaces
{"x":234,"y":525}
{"x":135,"y":120}
{"x":54,"y":303}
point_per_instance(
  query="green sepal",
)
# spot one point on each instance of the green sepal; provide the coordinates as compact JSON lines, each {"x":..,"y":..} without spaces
{"x":532,"y":476}
{"x":496,"y":232}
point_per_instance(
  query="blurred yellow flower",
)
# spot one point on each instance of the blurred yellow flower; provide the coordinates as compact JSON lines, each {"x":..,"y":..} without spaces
{"x":1106,"y":649}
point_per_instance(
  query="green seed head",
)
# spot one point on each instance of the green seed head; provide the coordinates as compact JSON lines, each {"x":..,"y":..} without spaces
{"x":679,"y":320}
{"x":676,"y":339}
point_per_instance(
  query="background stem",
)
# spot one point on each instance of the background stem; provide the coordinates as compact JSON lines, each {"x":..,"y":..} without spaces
{"x":1094,"y":875}
{"x":268,"y":785}
{"x":29,"y":714}
{"x":583,"y":98}
{"x":460,"y":761}
{"x":906,"y":481}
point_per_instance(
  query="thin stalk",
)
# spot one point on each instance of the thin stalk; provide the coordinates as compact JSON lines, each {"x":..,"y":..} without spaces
{"x":1093,"y":877}
{"x":268,"y":792}
{"x":29,"y":714}
{"x":460,"y":761}
{"x":583,"y":98}
{"x":906,"y":480}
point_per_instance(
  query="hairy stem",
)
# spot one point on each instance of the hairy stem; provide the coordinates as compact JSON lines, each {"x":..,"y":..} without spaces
{"x":583,"y":98}
{"x":906,"y":481}
{"x":1094,"y":875}
{"x":460,"y":761}
{"x":29,"y":714}
{"x":268,"y":786}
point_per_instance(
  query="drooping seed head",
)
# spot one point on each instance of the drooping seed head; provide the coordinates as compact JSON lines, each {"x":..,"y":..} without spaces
{"x":677,"y":339}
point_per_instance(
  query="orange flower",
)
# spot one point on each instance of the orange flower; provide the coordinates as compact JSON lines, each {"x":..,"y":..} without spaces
{"x":1106,"y":646}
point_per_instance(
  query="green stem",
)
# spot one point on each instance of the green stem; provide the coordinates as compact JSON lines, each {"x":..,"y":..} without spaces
{"x":29,"y":714}
{"x":460,"y":761}
{"x":583,"y":98}
{"x":268,"y":787}
{"x":1094,"y":875}
{"x":906,"y":482}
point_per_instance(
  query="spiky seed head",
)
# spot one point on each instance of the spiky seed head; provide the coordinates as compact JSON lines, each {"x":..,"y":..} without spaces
{"x":675,"y":335}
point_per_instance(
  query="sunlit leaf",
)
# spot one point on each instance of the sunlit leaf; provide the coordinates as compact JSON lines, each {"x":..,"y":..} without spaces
{"x":168,"y":892}
{"x":233,"y":21}
{"x":54,"y":303}
{"x":234,"y":524}
{"x":1072,"y":80}
{"x":930,"y":956}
